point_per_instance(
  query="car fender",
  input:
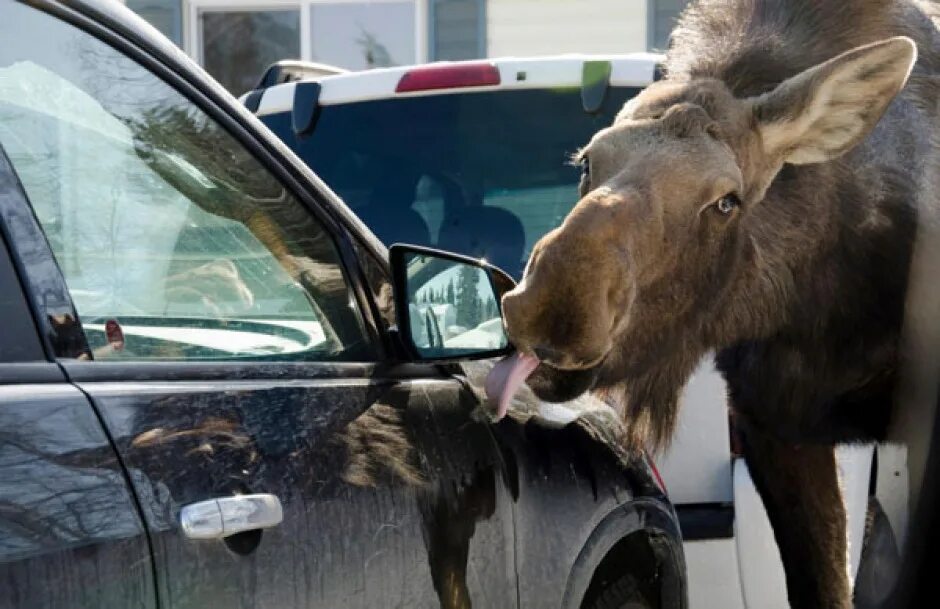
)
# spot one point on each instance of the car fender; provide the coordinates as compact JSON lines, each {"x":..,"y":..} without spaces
{"x":650,"y":517}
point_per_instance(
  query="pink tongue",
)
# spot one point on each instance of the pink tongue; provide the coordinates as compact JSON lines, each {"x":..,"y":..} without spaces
{"x":505,"y":379}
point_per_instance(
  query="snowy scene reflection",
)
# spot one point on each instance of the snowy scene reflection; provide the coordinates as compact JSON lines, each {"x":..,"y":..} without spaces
{"x":453,"y":307}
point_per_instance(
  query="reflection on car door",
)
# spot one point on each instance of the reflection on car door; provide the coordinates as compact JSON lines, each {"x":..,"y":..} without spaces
{"x":400,"y":508}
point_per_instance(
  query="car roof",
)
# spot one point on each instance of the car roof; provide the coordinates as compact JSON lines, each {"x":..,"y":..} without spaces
{"x":516,"y":73}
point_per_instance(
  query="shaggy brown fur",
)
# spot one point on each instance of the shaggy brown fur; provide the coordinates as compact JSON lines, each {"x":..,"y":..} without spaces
{"x":762,"y":201}
{"x":378,"y":449}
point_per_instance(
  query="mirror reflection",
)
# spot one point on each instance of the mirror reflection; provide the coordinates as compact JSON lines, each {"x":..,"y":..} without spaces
{"x":453,"y":308}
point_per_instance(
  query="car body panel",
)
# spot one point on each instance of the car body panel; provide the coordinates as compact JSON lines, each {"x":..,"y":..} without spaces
{"x":697,"y":467}
{"x":39,"y":274}
{"x":762,"y":576}
{"x":70,"y":530}
{"x":714,"y":574}
{"x":21,"y":342}
{"x":375,"y":510}
{"x":579,"y":493}
{"x":558,"y":523}
{"x":892,"y":484}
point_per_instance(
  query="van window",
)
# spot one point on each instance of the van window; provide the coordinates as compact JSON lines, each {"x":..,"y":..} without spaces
{"x":482,"y":173}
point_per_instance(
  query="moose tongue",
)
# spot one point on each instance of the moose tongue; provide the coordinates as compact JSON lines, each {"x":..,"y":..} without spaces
{"x":505,"y":379}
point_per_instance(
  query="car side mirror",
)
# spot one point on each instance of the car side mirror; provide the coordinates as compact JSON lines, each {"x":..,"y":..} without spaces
{"x":448,"y":305}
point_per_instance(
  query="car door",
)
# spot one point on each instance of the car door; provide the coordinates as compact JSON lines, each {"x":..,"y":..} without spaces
{"x":216,"y":323}
{"x":70,"y":532}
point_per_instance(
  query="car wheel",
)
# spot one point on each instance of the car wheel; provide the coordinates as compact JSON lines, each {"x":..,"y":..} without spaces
{"x":622,"y":593}
{"x":880,"y":562}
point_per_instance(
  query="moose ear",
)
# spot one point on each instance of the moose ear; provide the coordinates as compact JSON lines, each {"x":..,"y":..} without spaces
{"x":824,"y":111}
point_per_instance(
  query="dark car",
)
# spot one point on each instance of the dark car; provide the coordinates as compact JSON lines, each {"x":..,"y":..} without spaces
{"x":218,"y":389}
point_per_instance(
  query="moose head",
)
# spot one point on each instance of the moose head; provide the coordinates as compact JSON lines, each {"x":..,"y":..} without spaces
{"x":679,"y":244}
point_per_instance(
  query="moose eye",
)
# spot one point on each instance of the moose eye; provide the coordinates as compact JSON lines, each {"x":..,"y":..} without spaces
{"x":727,"y":204}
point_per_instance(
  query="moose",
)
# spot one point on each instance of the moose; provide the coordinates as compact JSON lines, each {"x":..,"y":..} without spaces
{"x":760,"y":202}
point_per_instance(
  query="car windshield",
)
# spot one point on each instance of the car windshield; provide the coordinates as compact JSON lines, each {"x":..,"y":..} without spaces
{"x":485,"y":174}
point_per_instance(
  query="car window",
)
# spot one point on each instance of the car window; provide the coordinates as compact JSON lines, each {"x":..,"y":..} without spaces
{"x":429,"y":170}
{"x":174,"y":241}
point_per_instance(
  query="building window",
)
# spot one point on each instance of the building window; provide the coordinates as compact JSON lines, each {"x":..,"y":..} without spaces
{"x":236,"y":40}
{"x":237,"y":46}
{"x":165,"y":15}
{"x":662,"y":15}
{"x":457,"y":29}
{"x":361,"y":35}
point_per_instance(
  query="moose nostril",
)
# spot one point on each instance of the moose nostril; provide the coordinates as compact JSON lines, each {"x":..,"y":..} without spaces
{"x":548,"y":354}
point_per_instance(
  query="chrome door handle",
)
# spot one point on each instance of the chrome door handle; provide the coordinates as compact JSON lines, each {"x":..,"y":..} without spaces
{"x":218,"y":518}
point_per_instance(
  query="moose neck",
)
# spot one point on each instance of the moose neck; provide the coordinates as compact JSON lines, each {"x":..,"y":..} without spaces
{"x":822,"y":265}
{"x":828,"y":238}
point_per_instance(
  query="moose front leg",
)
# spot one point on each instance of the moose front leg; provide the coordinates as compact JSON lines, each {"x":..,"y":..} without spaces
{"x":800,"y":489}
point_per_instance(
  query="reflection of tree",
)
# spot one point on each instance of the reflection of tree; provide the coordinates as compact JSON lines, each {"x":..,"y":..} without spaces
{"x":59,"y":488}
{"x":463,"y":293}
{"x":469,"y":304}
{"x":202,"y":161}
{"x":113,"y":80}
{"x":374,"y":52}
{"x":238,"y":45}
{"x":230,"y":45}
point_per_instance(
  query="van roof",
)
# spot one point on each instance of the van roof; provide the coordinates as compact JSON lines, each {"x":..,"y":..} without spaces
{"x":632,"y":70}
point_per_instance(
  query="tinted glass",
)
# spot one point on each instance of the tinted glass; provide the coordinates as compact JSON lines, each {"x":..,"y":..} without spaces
{"x":482,"y":174}
{"x":175,"y":243}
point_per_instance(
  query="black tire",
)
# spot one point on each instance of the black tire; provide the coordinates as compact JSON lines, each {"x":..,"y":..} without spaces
{"x":880,"y":562}
{"x":622,"y":593}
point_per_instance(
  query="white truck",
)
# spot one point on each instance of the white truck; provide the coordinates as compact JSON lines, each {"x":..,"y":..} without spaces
{"x":471,"y":157}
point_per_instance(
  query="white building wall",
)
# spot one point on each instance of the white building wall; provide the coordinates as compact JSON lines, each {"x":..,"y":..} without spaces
{"x":540,"y":27}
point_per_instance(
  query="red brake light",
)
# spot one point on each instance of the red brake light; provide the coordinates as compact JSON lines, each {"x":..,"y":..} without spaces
{"x":449,"y":77}
{"x":659,"y":478}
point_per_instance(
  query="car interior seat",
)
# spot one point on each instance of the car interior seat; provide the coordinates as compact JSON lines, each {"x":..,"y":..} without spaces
{"x":389,"y":213}
{"x":492,"y":233}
